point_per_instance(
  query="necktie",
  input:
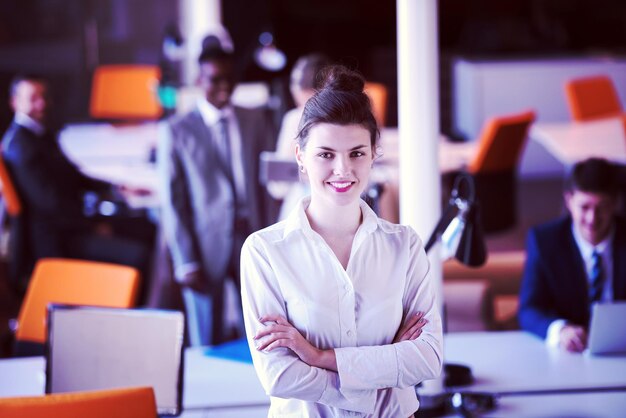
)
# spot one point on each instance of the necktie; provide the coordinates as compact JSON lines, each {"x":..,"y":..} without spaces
{"x":597,"y":277}
{"x":224,"y":145}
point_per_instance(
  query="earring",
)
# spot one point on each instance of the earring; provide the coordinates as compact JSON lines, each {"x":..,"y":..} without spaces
{"x":301,"y":168}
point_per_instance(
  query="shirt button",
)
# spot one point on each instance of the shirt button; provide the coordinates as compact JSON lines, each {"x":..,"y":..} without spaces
{"x":349,"y":333}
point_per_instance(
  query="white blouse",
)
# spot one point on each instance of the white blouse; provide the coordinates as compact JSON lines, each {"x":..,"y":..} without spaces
{"x":288,"y":269}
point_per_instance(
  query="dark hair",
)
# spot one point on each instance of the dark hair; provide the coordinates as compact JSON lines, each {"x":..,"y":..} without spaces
{"x":306,"y":70}
{"x":18,"y":78}
{"x":340,"y":100}
{"x":595,"y":175}
{"x":212,"y":50}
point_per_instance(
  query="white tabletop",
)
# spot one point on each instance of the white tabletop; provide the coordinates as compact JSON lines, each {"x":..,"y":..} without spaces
{"x":518,"y":362}
{"x":209,"y":382}
{"x":453,"y":156}
{"x":571,"y":142}
{"x":117,"y":154}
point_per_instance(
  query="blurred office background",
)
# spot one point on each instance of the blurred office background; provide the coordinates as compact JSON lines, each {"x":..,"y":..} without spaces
{"x":66,"y":40}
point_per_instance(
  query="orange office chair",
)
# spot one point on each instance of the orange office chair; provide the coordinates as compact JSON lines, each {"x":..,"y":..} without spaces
{"x":125,"y":92}
{"x":136,"y":402}
{"x":72,"y":282}
{"x":494,"y":168}
{"x":592,"y":98}
{"x":378,"y":94}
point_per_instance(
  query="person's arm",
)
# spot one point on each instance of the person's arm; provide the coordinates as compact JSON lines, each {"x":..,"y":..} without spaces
{"x":281,"y":372}
{"x":36,"y":182}
{"x":408,"y":362}
{"x":279,"y":332}
{"x":176,"y":213}
{"x":536,"y":311}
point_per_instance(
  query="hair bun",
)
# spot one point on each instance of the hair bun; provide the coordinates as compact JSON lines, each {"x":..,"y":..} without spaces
{"x":338,"y":77}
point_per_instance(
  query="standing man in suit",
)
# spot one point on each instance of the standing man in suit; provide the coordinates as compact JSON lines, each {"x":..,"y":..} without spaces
{"x":576,"y":260}
{"x":53,"y":190}
{"x":211,"y":195}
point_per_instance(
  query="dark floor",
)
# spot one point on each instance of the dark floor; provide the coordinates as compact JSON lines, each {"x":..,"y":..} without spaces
{"x":538,"y":201}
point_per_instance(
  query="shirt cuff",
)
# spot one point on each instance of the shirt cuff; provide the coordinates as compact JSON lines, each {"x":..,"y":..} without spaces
{"x":553,"y":336}
{"x":363,"y":368}
{"x":363,"y":401}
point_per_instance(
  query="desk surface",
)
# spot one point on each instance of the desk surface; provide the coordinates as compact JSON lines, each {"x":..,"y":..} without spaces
{"x":510,"y":364}
{"x":118,"y":154}
{"x":209,"y":382}
{"x":518,"y":362}
{"x":571,"y":142}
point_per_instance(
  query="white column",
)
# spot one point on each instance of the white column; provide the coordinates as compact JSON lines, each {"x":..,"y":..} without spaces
{"x":418,"y":120}
{"x":197,"y":19}
{"x":418,"y":123}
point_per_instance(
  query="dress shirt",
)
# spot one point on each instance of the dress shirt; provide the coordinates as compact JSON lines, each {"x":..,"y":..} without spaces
{"x":288,"y":269}
{"x":29,"y":123}
{"x":605,"y":249}
{"x":211,"y":117}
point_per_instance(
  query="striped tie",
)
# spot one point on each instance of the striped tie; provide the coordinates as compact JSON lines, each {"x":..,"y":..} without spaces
{"x":597,"y":277}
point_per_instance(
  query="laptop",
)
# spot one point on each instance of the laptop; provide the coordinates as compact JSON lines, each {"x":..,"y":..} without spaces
{"x":607,"y":331}
{"x":274,"y":168}
{"x":91,"y":348}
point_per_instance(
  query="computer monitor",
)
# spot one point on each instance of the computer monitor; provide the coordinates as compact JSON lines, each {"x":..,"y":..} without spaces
{"x":92,"y":348}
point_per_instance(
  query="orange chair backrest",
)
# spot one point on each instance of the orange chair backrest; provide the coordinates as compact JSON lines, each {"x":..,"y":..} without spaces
{"x":73,"y":282}
{"x":125,"y":92}
{"x":592,"y":98}
{"x":136,"y":402}
{"x":378,"y":94}
{"x":500,"y":143}
{"x":9,"y":193}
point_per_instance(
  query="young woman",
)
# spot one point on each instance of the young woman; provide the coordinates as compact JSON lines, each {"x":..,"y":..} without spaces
{"x":339,"y":310}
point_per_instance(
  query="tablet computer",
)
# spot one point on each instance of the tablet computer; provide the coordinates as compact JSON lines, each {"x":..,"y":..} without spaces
{"x":607,"y":331}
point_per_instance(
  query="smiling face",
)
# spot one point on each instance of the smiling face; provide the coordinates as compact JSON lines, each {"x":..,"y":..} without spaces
{"x":337,"y":160}
{"x":592,"y":214}
{"x":217,"y":81}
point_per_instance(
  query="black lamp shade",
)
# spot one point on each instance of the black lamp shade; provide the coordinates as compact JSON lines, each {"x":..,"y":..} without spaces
{"x":471,"y":250}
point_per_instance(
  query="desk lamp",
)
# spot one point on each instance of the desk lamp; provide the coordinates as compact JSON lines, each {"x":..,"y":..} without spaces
{"x":461,"y":236}
{"x":459,"y":227}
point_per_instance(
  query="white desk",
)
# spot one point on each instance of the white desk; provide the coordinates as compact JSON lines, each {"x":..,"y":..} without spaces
{"x":510,"y":364}
{"x":516,"y":362}
{"x":118,"y":154}
{"x":571,"y":142}
{"x":223,"y":387}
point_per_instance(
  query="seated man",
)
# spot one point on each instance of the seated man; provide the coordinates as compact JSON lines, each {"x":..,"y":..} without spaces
{"x":54,"y":191}
{"x":576,"y":260}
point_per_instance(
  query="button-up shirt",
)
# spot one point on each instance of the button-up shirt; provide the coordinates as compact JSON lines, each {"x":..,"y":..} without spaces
{"x":29,"y":123}
{"x":288,"y":269}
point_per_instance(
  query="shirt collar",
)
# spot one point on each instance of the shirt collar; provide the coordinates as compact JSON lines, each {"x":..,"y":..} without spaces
{"x":211,"y":115}
{"x":29,"y":123}
{"x":586,"y":248}
{"x":297,"y":219}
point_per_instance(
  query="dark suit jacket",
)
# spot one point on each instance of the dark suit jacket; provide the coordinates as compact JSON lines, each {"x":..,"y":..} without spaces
{"x":49,"y":185}
{"x":555,"y":283}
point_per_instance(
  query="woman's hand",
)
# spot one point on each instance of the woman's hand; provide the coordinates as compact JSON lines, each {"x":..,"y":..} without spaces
{"x":278,"y":332}
{"x":411,"y":329}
